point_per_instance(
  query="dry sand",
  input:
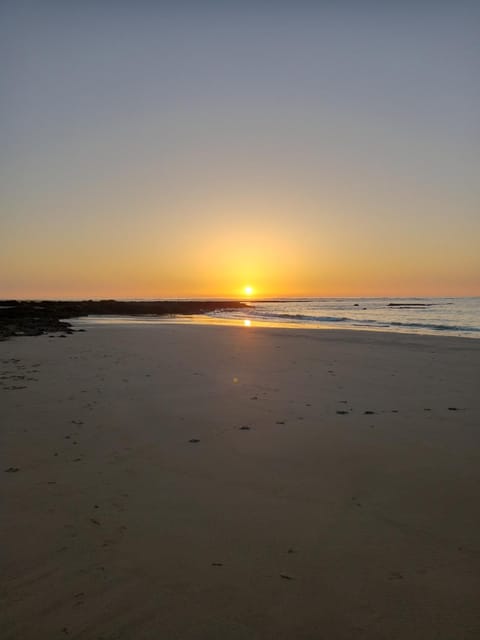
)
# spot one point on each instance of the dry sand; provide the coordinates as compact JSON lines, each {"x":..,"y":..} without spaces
{"x":321,"y":520}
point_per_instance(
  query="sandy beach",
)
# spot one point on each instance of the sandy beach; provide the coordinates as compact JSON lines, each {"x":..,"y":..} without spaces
{"x":216,"y":483}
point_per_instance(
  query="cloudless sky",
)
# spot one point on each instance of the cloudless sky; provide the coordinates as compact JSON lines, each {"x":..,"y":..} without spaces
{"x":161,"y":149}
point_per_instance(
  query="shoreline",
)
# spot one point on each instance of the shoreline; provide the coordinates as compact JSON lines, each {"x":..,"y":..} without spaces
{"x":228,"y":482}
{"x":368,"y":314}
{"x":204,"y":320}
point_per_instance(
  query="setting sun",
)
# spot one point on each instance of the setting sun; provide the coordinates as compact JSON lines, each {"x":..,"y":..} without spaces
{"x":248,"y":290}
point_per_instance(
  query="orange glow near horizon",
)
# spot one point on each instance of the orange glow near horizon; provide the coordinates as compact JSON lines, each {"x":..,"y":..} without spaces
{"x":278,"y":260}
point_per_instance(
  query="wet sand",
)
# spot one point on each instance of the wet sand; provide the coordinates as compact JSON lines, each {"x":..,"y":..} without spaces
{"x":200,"y":482}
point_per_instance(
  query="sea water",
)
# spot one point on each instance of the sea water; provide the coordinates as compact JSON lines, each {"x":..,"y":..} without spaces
{"x":445,"y":316}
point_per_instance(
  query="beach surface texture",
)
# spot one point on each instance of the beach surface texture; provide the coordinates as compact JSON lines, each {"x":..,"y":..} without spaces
{"x":216,"y":483}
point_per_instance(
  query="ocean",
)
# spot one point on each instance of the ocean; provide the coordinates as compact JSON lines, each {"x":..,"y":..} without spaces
{"x":434,"y":316}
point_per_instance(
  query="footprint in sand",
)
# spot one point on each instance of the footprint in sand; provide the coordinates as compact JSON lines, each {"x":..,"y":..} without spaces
{"x":395,"y":575}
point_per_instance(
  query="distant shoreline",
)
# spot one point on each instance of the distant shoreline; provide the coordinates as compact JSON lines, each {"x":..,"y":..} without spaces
{"x":33,"y":318}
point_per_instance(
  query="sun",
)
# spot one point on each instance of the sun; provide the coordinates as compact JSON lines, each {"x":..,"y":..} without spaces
{"x":248,"y":290}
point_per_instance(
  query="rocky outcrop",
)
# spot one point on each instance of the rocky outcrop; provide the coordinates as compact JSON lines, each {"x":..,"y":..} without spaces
{"x":32,"y":318}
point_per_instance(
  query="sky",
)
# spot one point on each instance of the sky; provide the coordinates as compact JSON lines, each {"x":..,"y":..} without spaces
{"x":189,"y":149}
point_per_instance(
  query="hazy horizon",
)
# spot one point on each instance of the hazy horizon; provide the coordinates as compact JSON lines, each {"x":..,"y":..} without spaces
{"x":310,"y":150}
{"x":239,"y":298}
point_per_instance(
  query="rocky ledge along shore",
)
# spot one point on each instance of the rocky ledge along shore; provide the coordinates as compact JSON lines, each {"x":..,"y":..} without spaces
{"x":34,"y":318}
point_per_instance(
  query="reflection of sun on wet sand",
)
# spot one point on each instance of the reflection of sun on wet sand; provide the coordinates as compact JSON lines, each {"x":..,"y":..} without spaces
{"x":218,"y":482}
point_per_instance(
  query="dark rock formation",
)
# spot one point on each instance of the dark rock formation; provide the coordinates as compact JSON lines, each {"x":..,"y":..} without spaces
{"x":33,"y":318}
